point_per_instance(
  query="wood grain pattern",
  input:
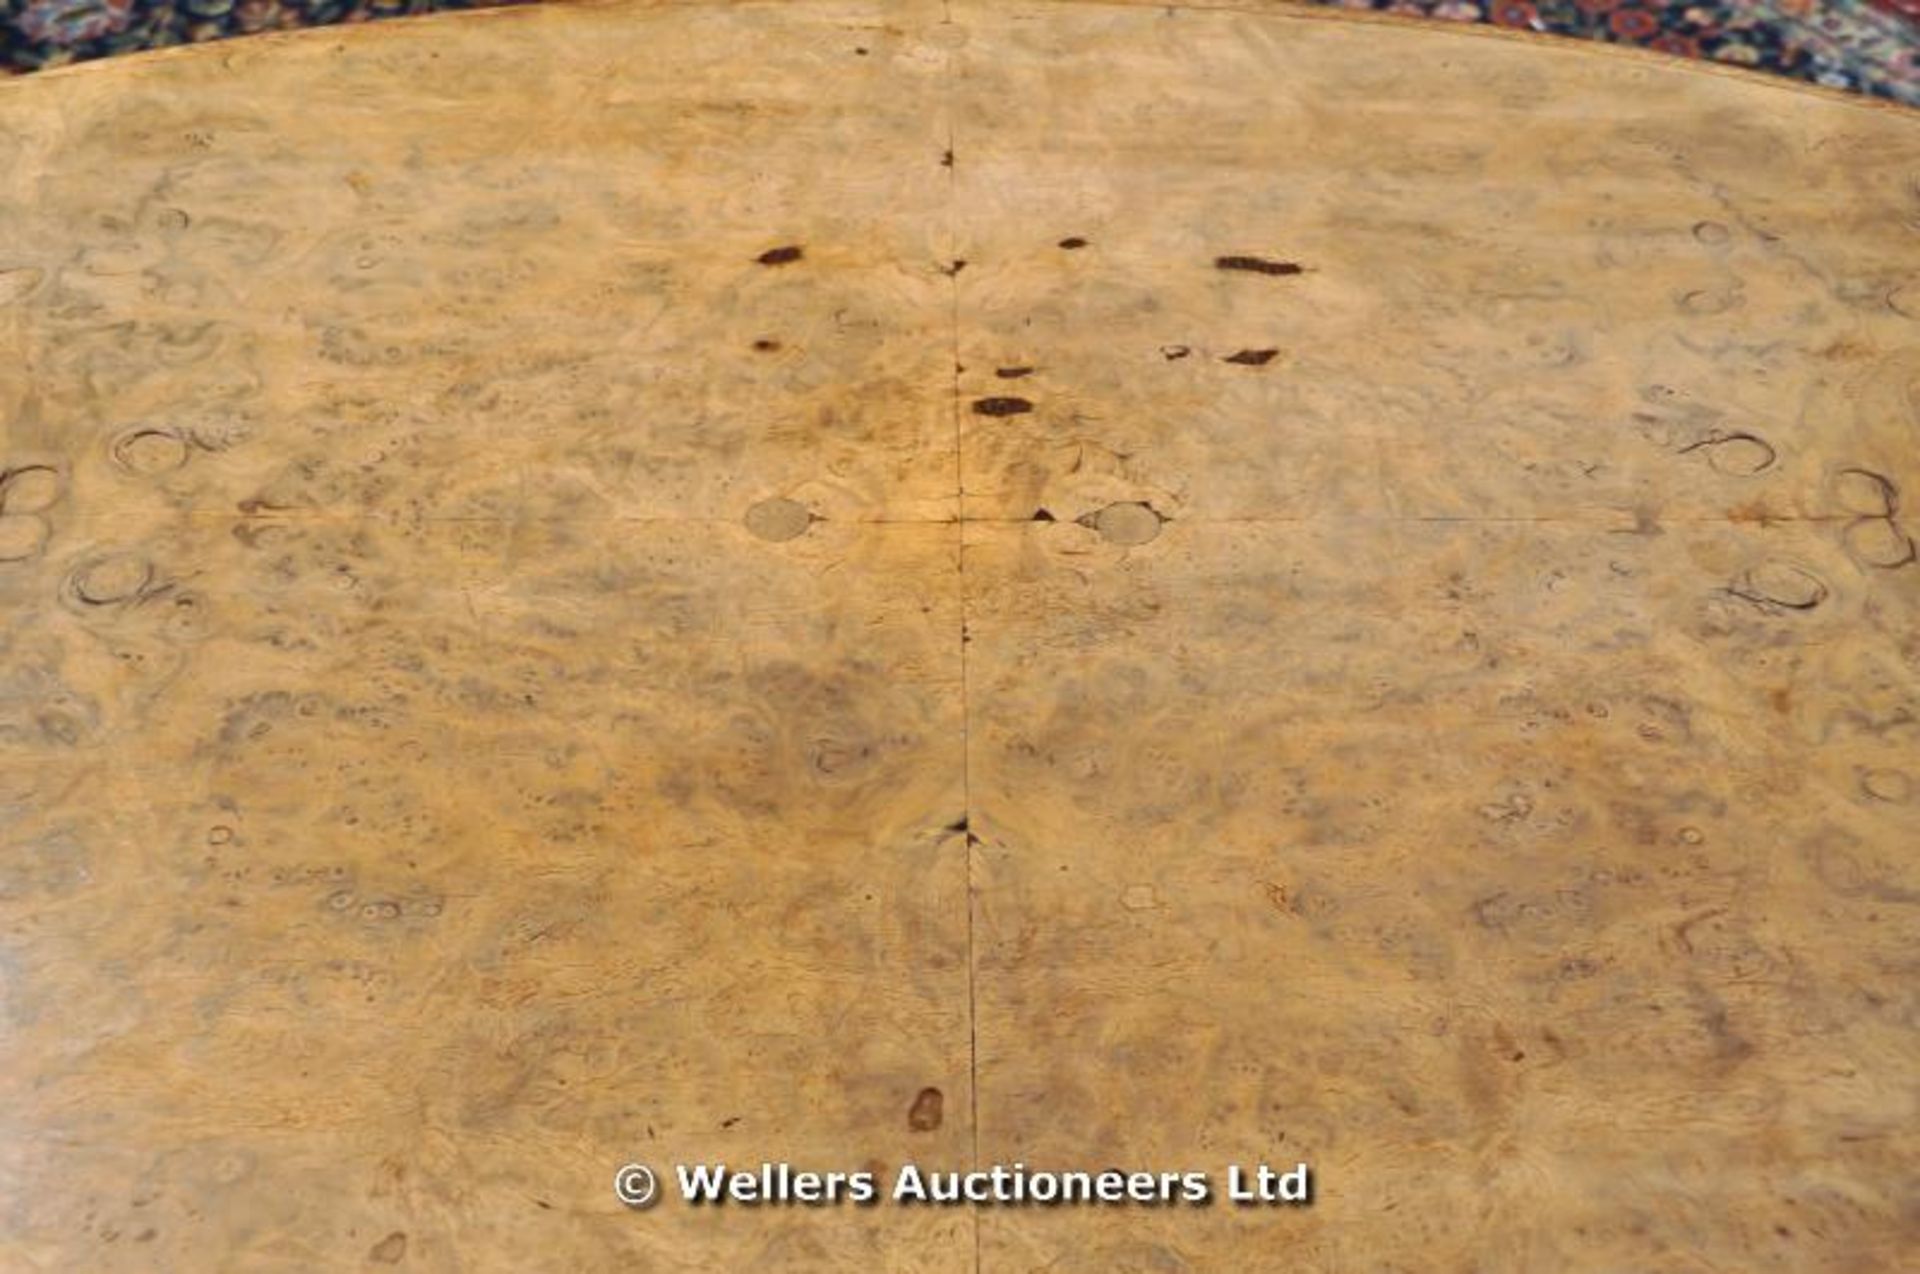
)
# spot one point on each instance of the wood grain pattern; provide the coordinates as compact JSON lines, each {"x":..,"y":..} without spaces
{"x":1087,"y":584}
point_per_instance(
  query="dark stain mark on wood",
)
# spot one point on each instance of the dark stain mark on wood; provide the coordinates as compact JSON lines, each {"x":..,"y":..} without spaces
{"x":1252,"y":357}
{"x":1043,"y":515}
{"x":1072,"y":242}
{"x":766,"y":346}
{"x":1174,"y":353}
{"x":1012,"y":373}
{"x":781,"y":256}
{"x":1256,"y":265}
{"x":1002,"y":406}
{"x":928,"y":1109}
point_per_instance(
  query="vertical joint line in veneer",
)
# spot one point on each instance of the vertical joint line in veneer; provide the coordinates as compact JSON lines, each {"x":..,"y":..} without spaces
{"x":960,"y":572}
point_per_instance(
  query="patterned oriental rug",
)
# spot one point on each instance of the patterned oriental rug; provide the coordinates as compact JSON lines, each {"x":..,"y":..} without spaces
{"x":1869,"y":46}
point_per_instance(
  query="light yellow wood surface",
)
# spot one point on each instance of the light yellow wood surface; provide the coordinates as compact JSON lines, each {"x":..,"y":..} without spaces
{"x":863,"y":584}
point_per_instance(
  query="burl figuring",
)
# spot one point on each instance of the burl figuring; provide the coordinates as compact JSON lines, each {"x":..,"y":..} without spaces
{"x":854,"y":586}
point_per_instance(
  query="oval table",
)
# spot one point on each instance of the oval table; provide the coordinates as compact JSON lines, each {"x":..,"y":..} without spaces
{"x":851,"y":585}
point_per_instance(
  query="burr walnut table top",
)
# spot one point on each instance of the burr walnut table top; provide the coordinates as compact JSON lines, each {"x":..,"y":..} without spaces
{"x":862,"y":584}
